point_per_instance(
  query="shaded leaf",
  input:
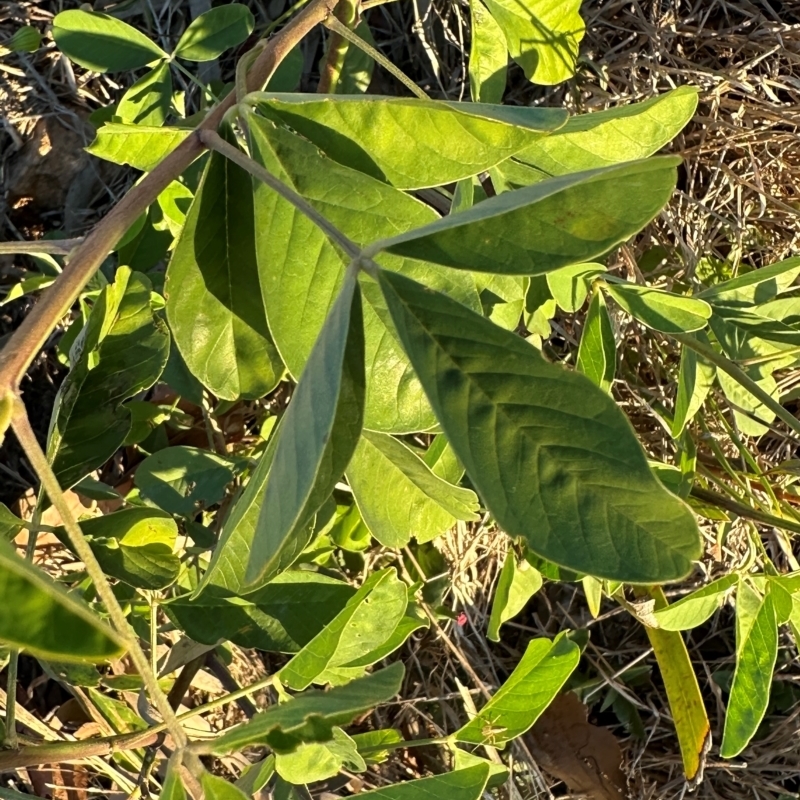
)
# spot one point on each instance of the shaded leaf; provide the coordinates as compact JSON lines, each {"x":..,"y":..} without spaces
{"x":597,"y":353}
{"x":659,"y":310}
{"x":408,"y":142}
{"x":38,"y":615}
{"x":752,"y":680}
{"x":10,"y":524}
{"x":216,"y":788}
{"x":694,"y":383}
{"x":398,"y":495}
{"x":518,"y":582}
{"x":755,"y":287}
{"x":369,"y":740}
{"x":184,"y":480}
{"x":443,"y":461}
{"x":216,"y":316}
{"x":502,"y":297}
{"x":488,"y":57}
{"x":570,"y":285}
{"x":356,"y":73}
{"x":367,"y":621}
{"x":301,"y":271}
{"x":683,"y":693}
{"x":102,"y":43}
{"x":311,"y":716}
{"x":139,"y":146}
{"x":539,"y":228}
{"x":623,"y":133}
{"x":552,"y":456}
{"x":147,"y":102}
{"x":121,"y":351}
{"x":214,"y":32}
{"x":283,"y":616}
{"x":316,"y":439}
{"x":462,"y":784}
{"x":531,"y":687}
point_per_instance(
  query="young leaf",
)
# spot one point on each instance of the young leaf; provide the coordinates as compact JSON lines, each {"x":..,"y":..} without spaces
{"x":542,"y":36}
{"x":597,"y":353}
{"x":695,"y":382}
{"x":121,"y":351}
{"x":398,"y":495}
{"x":539,"y":228}
{"x":214,"y":32}
{"x":365,"y":623}
{"x":316,"y":440}
{"x":488,"y":57}
{"x":301,"y":271}
{"x":518,"y":582}
{"x":695,"y":608}
{"x":102,"y":43}
{"x":570,"y":285}
{"x":623,"y":133}
{"x":411,"y":143}
{"x":462,"y":784}
{"x":752,"y":680}
{"x":183,"y":480}
{"x":517,"y":704}
{"x":659,"y":310}
{"x":38,"y":615}
{"x":281,"y":617}
{"x":134,"y":545}
{"x":136,"y":145}
{"x":311,"y":716}
{"x":147,"y":102}
{"x":216,"y":316}
{"x":552,"y":456}
{"x":683,"y":693}
{"x":318,"y":761}
{"x":593,"y":589}
{"x":756,"y":287}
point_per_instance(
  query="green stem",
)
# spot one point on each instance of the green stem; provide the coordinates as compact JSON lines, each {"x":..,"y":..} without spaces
{"x":56,"y":247}
{"x":346,"y":14}
{"x":213,"y":141}
{"x":740,"y":509}
{"x":741,"y":377}
{"x":22,"y":428}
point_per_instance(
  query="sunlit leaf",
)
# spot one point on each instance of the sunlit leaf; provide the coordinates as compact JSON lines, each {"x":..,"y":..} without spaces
{"x":518,"y":582}
{"x":462,"y":784}
{"x":694,"y":383}
{"x":488,"y":56}
{"x":147,"y":102}
{"x":755,"y":287}
{"x":697,"y":607}
{"x":660,"y":310}
{"x":318,"y":761}
{"x":570,"y":285}
{"x":136,"y":145}
{"x":597,"y":353}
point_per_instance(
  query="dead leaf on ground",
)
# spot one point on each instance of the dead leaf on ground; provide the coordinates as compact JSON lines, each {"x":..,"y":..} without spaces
{"x":586,"y":757}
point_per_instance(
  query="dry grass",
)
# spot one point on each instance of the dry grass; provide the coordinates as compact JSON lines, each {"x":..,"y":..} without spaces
{"x":736,"y":206}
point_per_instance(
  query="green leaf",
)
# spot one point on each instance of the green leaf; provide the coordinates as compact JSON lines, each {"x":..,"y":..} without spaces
{"x":597,"y":353}
{"x":147,"y":102}
{"x":172,"y":788}
{"x":139,"y":146}
{"x":301,"y":271}
{"x":408,"y":142}
{"x":694,"y":383}
{"x":443,"y":461}
{"x":518,"y":582}
{"x":281,"y":617}
{"x":10,"y":524}
{"x":756,"y":287}
{"x":38,"y":615}
{"x":683,"y":692}
{"x":593,"y":589}
{"x":463,"y":784}
{"x":542,"y":36}
{"x":623,"y":133}
{"x":659,"y":310}
{"x":26,"y":39}
{"x":214,"y":32}
{"x":748,"y":603}
{"x":369,"y":740}
{"x":570,"y":285}
{"x":752,"y":681}
{"x":502,"y":297}
{"x":488,"y":57}
{"x":216,"y":788}
{"x":311,"y":716}
{"x":498,"y":773}
{"x":121,"y":351}
{"x":552,"y":456}
{"x":216,"y":314}
{"x":134,"y":545}
{"x":531,"y":687}
{"x":539,"y":228}
{"x":398,"y":495}
{"x":413,"y":620}
{"x":316,"y":439}
{"x":697,"y":607}
{"x":365,"y":623}
{"x":102,"y":43}
{"x":757,"y":417}
{"x":286,"y":77}
{"x":318,"y":761}
{"x":184,"y":480}
{"x":357,"y":69}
